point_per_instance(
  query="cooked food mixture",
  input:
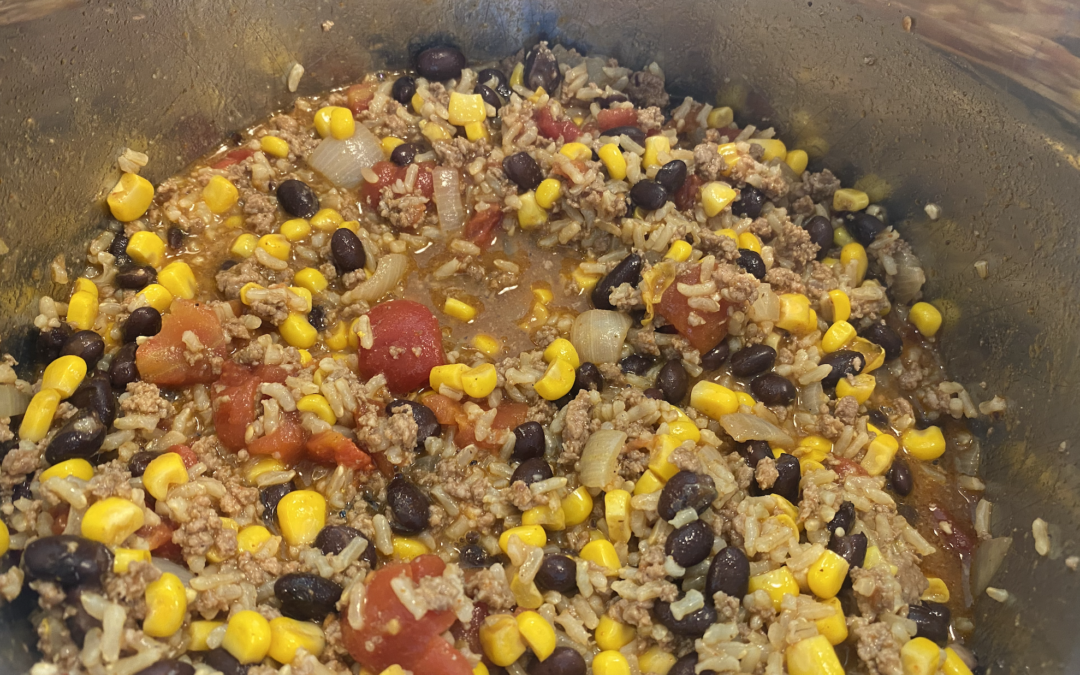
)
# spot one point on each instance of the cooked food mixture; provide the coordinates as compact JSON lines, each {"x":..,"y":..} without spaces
{"x":517,"y":367}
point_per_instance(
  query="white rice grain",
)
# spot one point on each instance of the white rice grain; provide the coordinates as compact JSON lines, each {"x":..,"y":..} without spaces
{"x":1042,"y":536}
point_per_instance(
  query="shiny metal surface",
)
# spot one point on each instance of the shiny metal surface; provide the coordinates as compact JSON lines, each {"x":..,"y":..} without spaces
{"x":79,"y":83}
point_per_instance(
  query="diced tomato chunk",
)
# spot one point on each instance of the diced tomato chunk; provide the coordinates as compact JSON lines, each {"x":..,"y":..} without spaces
{"x":956,"y":534}
{"x":445,"y":408}
{"x":674,"y":307}
{"x":616,"y":117}
{"x":286,"y":442}
{"x":388,"y":173}
{"x":549,"y":127}
{"x":689,"y":194}
{"x":60,"y":516}
{"x":846,"y":467}
{"x":156,"y":536}
{"x":407,"y":345}
{"x":233,"y":157}
{"x":359,"y":96}
{"x":448,"y":411}
{"x":482,"y":228}
{"x":331,"y":447}
{"x":235,"y":404}
{"x":186,"y":454}
{"x":165,"y":359}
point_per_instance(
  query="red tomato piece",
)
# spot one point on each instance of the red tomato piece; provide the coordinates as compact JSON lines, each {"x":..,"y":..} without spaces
{"x":616,"y":117}
{"x":388,"y":173}
{"x":482,"y":228}
{"x":845,"y":467}
{"x":186,"y":454}
{"x":156,"y":536}
{"x":235,"y":408}
{"x":60,"y":518}
{"x":163,"y":359}
{"x":286,"y":442}
{"x":549,"y":127}
{"x":957,"y":535}
{"x":689,"y":194}
{"x":330,"y":447}
{"x":449,"y":411}
{"x":441,"y":658}
{"x":359,"y":96}
{"x":673,"y":306}
{"x":407,"y":345}
{"x":233,"y":157}
{"x":446,"y":409}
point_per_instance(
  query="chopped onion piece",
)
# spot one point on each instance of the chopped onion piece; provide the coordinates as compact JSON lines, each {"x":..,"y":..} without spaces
{"x":907,"y":283}
{"x":12,"y":401}
{"x":390,"y":270}
{"x":447,"y":197}
{"x":766,"y":307}
{"x":600,"y":458}
{"x":988,"y":558}
{"x":343,"y":162}
{"x":598,"y":335}
{"x":747,"y":427}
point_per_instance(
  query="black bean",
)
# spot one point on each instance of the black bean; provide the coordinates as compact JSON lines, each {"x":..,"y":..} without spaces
{"x":523,"y":170}
{"x":317,"y":318}
{"x":270,"y":496}
{"x":50,"y":342}
{"x":751,"y":261}
{"x":687,"y":665}
{"x":440,"y":64}
{"x":96,"y":394}
{"x":693,"y":624}
{"x":754,"y":451}
{"x":628,"y":271}
{"x":673,"y":381}
{"x":588,"y":377}
{"x":787,"y":483}
{"x":403,"y":89}
{"x":931,"y":621}
{"x":80,"y":437}
{"x":716,"y":357}
{"x":409,"y":506}
{"x":690,"y":544}
{"x":557,"y":573}
{"x":633,"y":133}
{"x":880,"y":334}
{"x":563,"y":661}
{"x":863,"y":227}
{"x":529,"y":442}
{"x":495,"y":79}
{"x":136,"y":278}
{"x":729,"y":572}
{"x":489,"y":95}
{"x":844,"y":362}
{"x":844,"y":519}
{"x":608,"y":101}
{"x":541,"y":70}
{"x":87,"y":345}
{"x":333,"y":539}
{"x":654,"y":393}
{"x":752,"y":360}
{"x":119,"y":244}
{"x":635,"y":364}
{"x":80,"y":622}
{"x":174,"y":236}
{"x":686,"y":490}
{"x":297,"y":198}
{"x":773,"y":389}
{"x":532,"y":471}
{"x":474,"y":556}
{"x":224,"y":662}
{"x":851,"y":547}
{"x":168,"y":667}
{"x":142,"y":322}
{"x":427,"y":425}
{"x":23,"y":490}
{"x":67,"y":560}
{"x":306,"y":597}
{"x":821,"y":233}
{"x":749,"y":203}
{"x":123,"y":370}
{"x":347,"y":251}
{"x":404,"y":154}
{"x":139,"y":461}
{"x":899,"y":478}
{"x":648,"y":194}
{"x":878,"y":418}
{"x":672,"y":175}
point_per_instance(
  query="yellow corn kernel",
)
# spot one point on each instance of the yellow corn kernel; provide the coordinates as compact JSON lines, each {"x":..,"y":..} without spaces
{"x":873,"y":354}
{"x":617,"y":515}
{"x":576,"y":151}
{"x":716,"y":196}
{"x":561,"y":348}
{"x":714,"y":400}
{"x":680,"y":251}
{"x":777,"y":584}
{"x":920,"y":656}
{"x":937,"y":591}
{"x":82,"y":284}
{"x":648,"y":483}
{"x":296,"y":330}
{"x":749,"y":240}
{"x":311,"y":279}
{"x":82,"y":310}
{"x":123,"y":557}
{"x":449,"y":375}
{"x":924,"y":444}
{"x":417,"y":102}
{"x":533,"y":535}
{"x":537,"y":633}
{"x":841,"y":305}
{"x":434,"y":132}
{"x":233,"y":222}
{"x":797,"y":161}
{"x":729,"y":233}
{"x":827,"y":575}
{"x":818,"y":444}
{"x":289,"y":635}
{"x":813,"y":656}
{"x":252,"y":538}
{"x":855,"y":251}
{"x":654,"y":147}
{"x":199,"y":633}
{"x":530,"y":215}
{"x":660,"y":459}
{"x":526,"y":594}
{"x":557,"y":380}
{"x":614,"y":161}
{"x":459,"y":310}
{"x":466,"y":108}
{"x":879,"y":455}
{"x":501,"y":639}
{"x":322,"y":120}
{"x":220,"y":194}
{"x":577,"y":506}
{"x":517,"y":75}
{"x":39,"y":415}
{"x":841,"y":237}
{"x":550,"y":519}
{"x":610,"y":634}
{"x":244,"y":246}
{"x":730,"y":154}
{"x":304,"y":294}
{"x":163,"y":472}
{"x":585,"y":281}
{"x":838,"y":335}
{"x":478,"y":669}
{"x":795,"y":314}
{"x":954,"y":665}
{"x":301,"y":514}
{"x":603,"y":553}
{"x":276,"y":245}
{"x":65,"y":374}
{"x":861,"y":387}
{"x":548,"y":193}
{"x":474,"y":131}
{"x":683,"y":428}
{"x":390,"y":143}
{"x":146,"y":248}
{"x":130,"y":197}
{"x":610,"y":662}
{"x":480,"y":381}
{"x":487,"y":345}
{"x":79,"y":468}
{"x":745,"y":399}
{"x":295,"y":229}
{"x":5,"y":538}
{"x":873,"y":557}
{"x":407,"y":548}
{"x":543,"y":295}
{"x":774,"y":148}
{"x":342,"y":124}
{"x":179,"y":280}
{"x":317,"y":404}
{"x":111,"y":521}
{"x":249,"y":286}
{"x":926,"y":317}
{"x":720,"y":118}
{"x":326,"y":220}
{"x":834,"y":627}
{"x":338,"y":339}
{"x":247,"y":637}
{"x":537,"y":95}
{"x":274,"y":146}
{"x":166,"y":606}
{"x":260,"y":465}
{"x":848,"y":199}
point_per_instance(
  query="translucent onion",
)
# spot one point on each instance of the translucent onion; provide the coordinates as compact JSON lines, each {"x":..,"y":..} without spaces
{"x":988,"y":558}
{"x":766,"y":307}
{"x":598,"y":335}
{"x":747,"y":427}
{"x":812,"y":397}
{"x":388,"y":273}
{"x":907,"y":283}
{"x":12,"y":401}
{"x":447,"y":197}
{"x":343,"y":162}
{"x":600,"y":458}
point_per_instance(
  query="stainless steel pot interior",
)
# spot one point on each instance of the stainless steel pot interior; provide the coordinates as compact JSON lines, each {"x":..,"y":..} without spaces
{"x":80,"y":81}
